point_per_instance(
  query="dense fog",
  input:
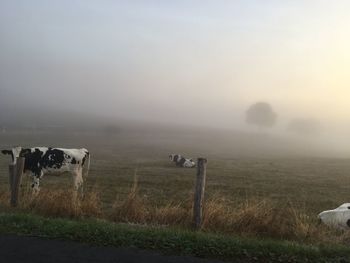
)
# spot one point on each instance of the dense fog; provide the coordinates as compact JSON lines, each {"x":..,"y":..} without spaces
{"x":265,"y":68}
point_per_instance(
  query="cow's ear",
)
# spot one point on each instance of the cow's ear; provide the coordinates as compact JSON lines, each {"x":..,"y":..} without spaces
{"x":6,"y":152}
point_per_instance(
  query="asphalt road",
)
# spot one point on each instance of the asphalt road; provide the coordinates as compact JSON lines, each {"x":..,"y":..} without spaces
{"x":21,"y":249}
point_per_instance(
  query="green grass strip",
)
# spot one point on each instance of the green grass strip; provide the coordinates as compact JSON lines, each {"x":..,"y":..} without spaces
{"x":169,"y":241}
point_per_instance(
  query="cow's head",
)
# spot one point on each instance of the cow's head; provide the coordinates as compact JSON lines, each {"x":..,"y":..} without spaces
{"x":175,"y":157}
{"x":8,"y":152}
{"x":14,"y":152}
{"x":338,"y":218}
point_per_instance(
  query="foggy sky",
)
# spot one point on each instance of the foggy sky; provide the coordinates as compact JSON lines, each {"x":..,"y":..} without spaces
{"x":198,"y":62}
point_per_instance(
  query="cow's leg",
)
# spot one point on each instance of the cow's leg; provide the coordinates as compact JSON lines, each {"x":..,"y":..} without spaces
{"x":36,"y":182}
{"x":78,"y":180}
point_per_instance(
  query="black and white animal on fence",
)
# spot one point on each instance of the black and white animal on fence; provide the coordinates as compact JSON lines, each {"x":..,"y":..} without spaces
{"x":337,"y":218}
{"x":182,"y":161}
{"x":41,"y":160}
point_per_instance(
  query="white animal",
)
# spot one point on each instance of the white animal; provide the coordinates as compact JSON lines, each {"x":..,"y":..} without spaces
{"x":337,"y":218}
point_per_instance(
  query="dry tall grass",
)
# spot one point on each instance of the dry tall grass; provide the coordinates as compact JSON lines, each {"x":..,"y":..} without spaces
{"x":263,"y":218}
{"x":135,"y":209}
{"x":58,"y":203}
{"x":254,"y":218}
{"x":171,"y":214}
{"x":132,"y":209}
{"x":64,"y":203}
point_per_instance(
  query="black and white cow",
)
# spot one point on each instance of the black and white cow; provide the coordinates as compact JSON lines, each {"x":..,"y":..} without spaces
{"x":182,"y":161}
{"x":42,"y":160}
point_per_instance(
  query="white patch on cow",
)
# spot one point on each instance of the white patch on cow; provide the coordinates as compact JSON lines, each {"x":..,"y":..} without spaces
{"x":36,"y":184}
{"x":189,"y":163}
{"x":16,"y":151}
{"x":338,"y":218}
{"x":78,"y":154}
{"x":42,"y":149}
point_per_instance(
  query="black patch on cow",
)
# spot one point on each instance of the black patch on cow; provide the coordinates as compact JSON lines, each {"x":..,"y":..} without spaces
{"x":348,"y":223}
{"x":53,"y":158}
{"x":37,"y":160}
{"x":181,"y":162}
{"x":73,"y":161}
{"x":32,"y":161}
{"x":84,"y":158}
{"x":176,"y":157}
{"x":5,"y":152}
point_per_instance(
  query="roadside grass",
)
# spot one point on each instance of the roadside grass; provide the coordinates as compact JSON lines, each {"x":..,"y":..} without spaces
{"x":170,"y":240}
{"x":252,"y":218}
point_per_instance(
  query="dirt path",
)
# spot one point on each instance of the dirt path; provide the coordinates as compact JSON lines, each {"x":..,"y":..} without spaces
{"x":32,"y":249}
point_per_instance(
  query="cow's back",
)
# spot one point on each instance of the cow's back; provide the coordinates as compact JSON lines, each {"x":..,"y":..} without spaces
{"x":54,"y":160}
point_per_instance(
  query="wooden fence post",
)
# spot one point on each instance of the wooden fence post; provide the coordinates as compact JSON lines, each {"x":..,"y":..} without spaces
{"x":12,"y":168}
{"x":199,"y":192}
{"x":15,"y":182}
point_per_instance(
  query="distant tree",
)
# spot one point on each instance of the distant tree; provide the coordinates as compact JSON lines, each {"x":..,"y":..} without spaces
{"x":304,"y":126}
{"x":261,"y":114}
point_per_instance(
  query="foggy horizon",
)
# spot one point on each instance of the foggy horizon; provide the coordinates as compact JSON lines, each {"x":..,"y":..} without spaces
{"x":196,"y":63}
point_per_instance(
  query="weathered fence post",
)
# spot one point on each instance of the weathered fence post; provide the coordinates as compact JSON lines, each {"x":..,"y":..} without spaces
{"x":15,"y":179}
{"x":12,"y":168}
{"x":199,"y":192}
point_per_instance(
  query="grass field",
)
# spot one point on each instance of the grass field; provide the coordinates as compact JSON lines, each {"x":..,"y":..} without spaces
{"x":237,"y":171}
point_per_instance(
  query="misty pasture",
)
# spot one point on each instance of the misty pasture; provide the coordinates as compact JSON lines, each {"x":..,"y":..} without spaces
{"x":259,"y":88}
{"x":312,"y":184}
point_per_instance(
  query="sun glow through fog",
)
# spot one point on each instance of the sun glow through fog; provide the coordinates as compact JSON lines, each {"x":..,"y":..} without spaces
{"x":203,"y":61}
